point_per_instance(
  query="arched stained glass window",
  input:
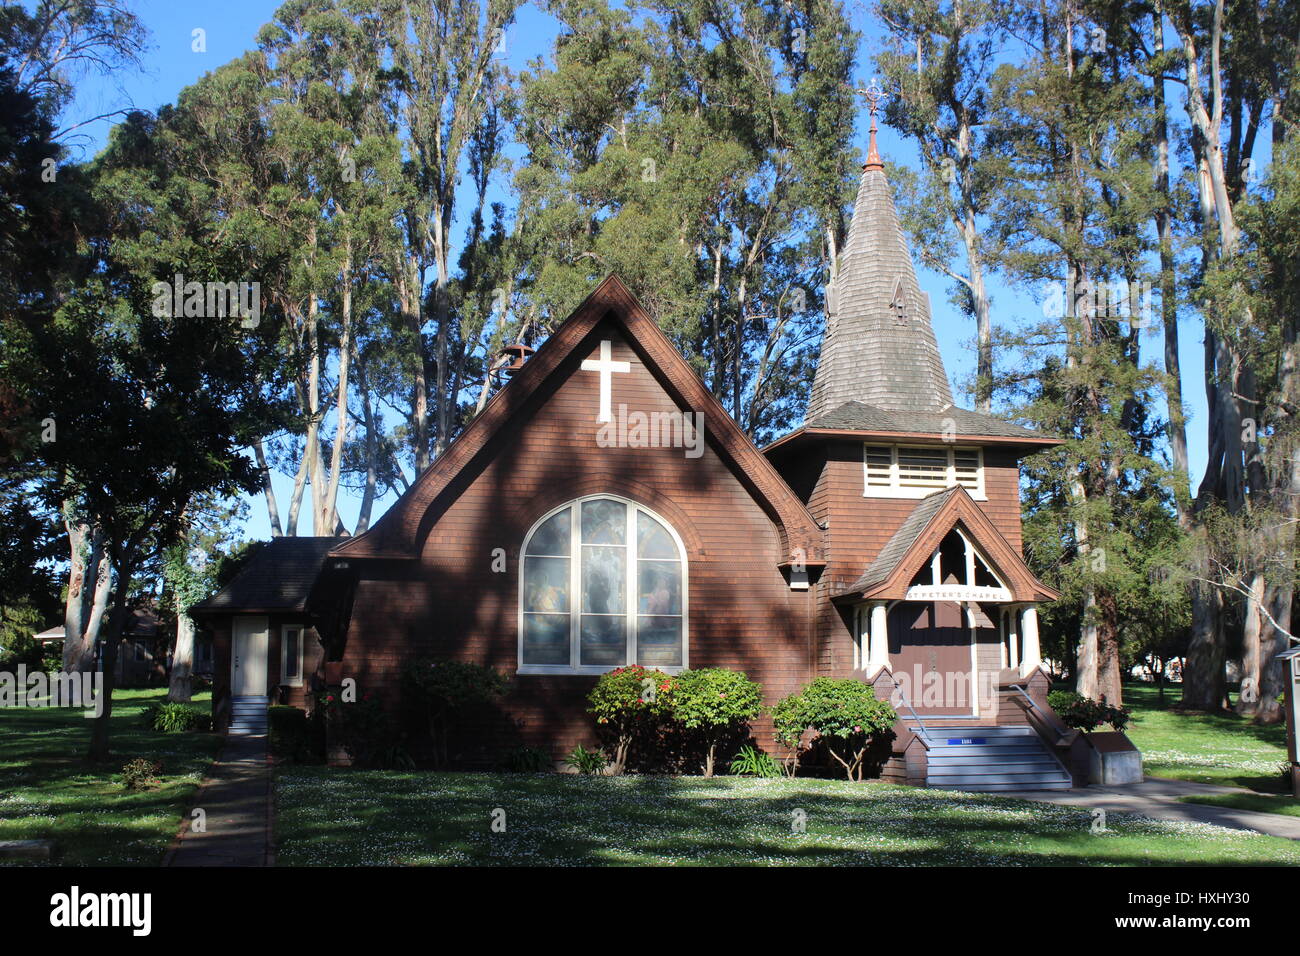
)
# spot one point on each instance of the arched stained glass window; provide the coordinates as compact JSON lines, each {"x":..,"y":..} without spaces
{"x":603,"y":585}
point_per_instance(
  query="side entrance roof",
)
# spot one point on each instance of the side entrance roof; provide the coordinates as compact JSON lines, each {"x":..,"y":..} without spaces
{"x":921,"y":534}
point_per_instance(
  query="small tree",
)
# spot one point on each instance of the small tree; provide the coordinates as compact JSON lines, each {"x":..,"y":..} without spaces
{"x":789,"y":726}
{"x":443,"y":688}
{"x":712,"y":701}
{"x":627,"y":700}
{"x":844,"y":712}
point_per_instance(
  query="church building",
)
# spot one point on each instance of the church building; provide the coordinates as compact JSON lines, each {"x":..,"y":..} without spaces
{"x":604,"y":509}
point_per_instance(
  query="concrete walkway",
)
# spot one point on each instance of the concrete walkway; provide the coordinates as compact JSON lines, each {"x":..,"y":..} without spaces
{"x":236,"y":800}
{"x":1159,"y":799}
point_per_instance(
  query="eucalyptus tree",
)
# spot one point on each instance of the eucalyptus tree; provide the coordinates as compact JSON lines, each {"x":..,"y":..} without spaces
{"x":938,"y":67}
{"x":445,"y":57}
{"x":702,"y":153}
{"x":1232,"y":74}
{"x":51,"y":44}
{"x":1075,"y":195}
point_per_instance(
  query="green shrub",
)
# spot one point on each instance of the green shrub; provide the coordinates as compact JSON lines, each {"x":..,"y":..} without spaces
{"x":1061,"y":700}
{"x":525,"y":759}
{"x":392,"y":755}
{"x":441,"y":689}
{"x":845,"y":715}
{"x":789,"y":726}
{"x":713,"y":701}
{"x":170,"y":717}
{"x":752,"y":762}
{"x":292,"y":733}
{"x":141,"y":774}
{"x":1086,"y":714}
{"x":589,"y":762}
{"x":627,"y":701}
{"x":364,"y":728}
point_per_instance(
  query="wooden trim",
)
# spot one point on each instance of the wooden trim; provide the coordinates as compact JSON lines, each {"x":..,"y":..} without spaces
{"x":1009,"y":566}
{"x":284,"y":633}
{"x":888,"y":437}
{"x":631,"y":571}
{"x":398,"y":531}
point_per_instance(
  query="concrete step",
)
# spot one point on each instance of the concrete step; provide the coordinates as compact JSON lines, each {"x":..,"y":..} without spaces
{"x":940,"y":733}
{"x":978,"y":764}
{"x":989,"y":759}
{"x":997,"y":787}
{"x":983,"y":751}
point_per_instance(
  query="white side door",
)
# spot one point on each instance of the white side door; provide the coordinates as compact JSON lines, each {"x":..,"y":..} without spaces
{"x":248,"y":657}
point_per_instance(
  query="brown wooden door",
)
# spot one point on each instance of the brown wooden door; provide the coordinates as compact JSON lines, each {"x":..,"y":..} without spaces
{"x":930,"y":655}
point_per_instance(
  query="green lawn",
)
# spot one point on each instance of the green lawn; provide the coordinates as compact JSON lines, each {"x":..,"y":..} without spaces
{"x":48,"y":790}
{"x":1204,"y":748}
{"x":340,"y":817}
{"x":1259,"y":802}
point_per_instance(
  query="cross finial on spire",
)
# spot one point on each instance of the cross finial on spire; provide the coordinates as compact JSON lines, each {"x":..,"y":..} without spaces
{"x":873,"y":94}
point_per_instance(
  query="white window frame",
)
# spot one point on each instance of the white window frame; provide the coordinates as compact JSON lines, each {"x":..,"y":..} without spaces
{"x":575,"y":591}
{"x":896,"y":489}
{"x":284,"y":654}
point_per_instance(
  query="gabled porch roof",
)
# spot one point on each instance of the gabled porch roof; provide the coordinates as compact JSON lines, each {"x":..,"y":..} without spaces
{"x":889,"y":575}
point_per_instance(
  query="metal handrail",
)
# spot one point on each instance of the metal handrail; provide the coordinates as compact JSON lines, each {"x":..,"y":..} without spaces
{"x":1034,"y":704}
{"x":915,"y":716}
{"x":1023,"y":693}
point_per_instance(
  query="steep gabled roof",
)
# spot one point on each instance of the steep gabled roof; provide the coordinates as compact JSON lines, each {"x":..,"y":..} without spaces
{"x":880,"y":371}
{"x":915,"y":541}
{"x":893,"y":553}
{"x":398,"y":533}
{"x":276,"y":579}
{"x":879,"y":347}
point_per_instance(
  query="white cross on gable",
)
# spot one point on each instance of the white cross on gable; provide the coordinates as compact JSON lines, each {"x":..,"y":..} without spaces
{"x":606,"y":366}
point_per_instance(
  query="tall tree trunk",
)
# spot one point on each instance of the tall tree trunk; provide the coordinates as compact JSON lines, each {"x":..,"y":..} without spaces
{"x":410,"y":286}
{"x":1272,"y":674}
{"x":983,"y":329}
{"x":315,"y":466}
{"x":272,"y":509}
{"x":442,"y":402}
{"x":99,"y":739}
{"x":1087,"y":666}
{"x":329,"y":507}
{"x":1110,"y":675}
{"x":372,"y":449}
{"x":1204,"y":684}
{"x":295,"y":499}
{"x":1173,"y":382}
{"x":89,"y":584}
{"x":179,"y":687}
{"x":1253,"y":632}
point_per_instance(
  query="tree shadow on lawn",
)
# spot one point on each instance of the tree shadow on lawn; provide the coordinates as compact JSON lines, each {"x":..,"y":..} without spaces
{"x":1226,"y":722}
{"x":413,"y":819}
{"x":48,"y":790}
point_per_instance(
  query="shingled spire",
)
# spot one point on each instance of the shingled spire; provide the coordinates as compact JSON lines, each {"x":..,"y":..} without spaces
{"x":879,"y":348}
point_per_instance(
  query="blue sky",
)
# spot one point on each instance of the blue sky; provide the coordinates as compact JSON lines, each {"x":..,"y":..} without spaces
{"x":231,"y":28}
